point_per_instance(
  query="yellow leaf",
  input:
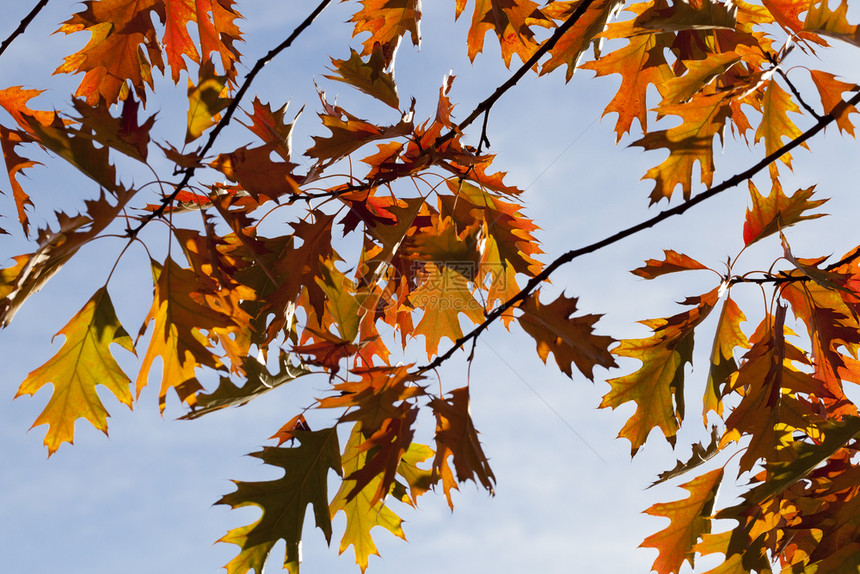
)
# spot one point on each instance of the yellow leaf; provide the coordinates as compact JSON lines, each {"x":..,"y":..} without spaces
{"x":443,"y":295}
{"x":205,"y":101}
{"x":83,"y":362}
{"x":362,"y":512}
{"x":775,"y":124}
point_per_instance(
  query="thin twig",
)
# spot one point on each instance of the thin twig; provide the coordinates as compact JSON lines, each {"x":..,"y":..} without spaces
{"x":535,"y":281}
{"x":488,"y":103}
{"x":231,"y":109}
{"x":782,"y":277}
{"x":797,"y":95}
{"x":769,"y":278}
{"x":482,"y":108}
{"x":23,"y":25}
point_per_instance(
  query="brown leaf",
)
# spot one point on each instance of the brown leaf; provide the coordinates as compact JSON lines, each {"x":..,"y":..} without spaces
{"x":456,"y":437}
{"x":570,"y":339}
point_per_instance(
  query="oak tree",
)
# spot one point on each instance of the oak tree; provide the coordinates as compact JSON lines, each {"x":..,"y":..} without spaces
{"x":266,"y":272}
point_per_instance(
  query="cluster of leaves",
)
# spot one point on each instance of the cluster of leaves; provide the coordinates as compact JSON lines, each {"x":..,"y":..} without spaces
{"x":442,"y":241}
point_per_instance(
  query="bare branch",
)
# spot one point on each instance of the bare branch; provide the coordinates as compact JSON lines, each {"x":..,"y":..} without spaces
{"x":23,"y":25}
{"x":535,"y":281}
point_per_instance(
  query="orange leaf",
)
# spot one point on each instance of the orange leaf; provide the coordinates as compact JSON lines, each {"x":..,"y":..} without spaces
{"x":119,"y":32}
{"x":443,"y":295}
{"x":704,"y":117}
{"x":770,"y":214}
{"x":15,"y":165}
{"x":510,"y":20}
{"x":327,"y":351}
{"x":573,"y":43}
{"x":690,"y":519}
{"x":699,"y":74}
{"x":830,"y":89}
{"x":271,"y":128}
{"x":253,"y":169}
{"x":388,"y":21}
{"x":349,"y":133}
{"x":822,"y":20}
{"x":641,"y":64}
{"x":672,"y":263}
{"x":180,"y":315}
{"x":376,"y":397}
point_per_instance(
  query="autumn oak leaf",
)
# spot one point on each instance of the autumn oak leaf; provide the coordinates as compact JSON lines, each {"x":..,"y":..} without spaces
{"x":690,"y":519}
{"x":363,"y":514}
{"x":657,"y":387}
{"x":84,"y":361}
{"x":457,"y":438}
{"x":443,"y":295}
{"x":672,"y":263}
{"x":370,"y":77}
{"x":570,"y":339}
{"x":285,"y":500}
{"x":770,"y":214}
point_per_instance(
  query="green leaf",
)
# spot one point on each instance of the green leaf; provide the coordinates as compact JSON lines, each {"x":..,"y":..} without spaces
{"x":830,"y":436}
{"x":259,"y":381}
{"x":285,"y":500}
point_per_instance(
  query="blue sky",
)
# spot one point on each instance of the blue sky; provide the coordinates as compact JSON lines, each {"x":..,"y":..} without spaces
{"x":141,"y":501}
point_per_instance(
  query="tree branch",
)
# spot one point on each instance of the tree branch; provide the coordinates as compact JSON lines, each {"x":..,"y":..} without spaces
{"x":228,"y":114}
{"x":485,"y":105}
{"x":535,"y":281}
{"x":23,"y":25}
{"x":797,"y":95}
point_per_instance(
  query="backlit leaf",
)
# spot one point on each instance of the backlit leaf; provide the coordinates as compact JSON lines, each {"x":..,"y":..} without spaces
{"x":672,"y":263}
{"x":770,"y":214}
{"x":443,"y":295}
{"x":822,"y":20}
{"x":457,"y":438}
{"x":690,"y":518}
{"x":775,"y":124}
{"x":370,"y":77}
{"x":205,"y":102}
{"x":657,"y":387}
{"x":285,"y":500}
{"x":362,"y":513}
{"x":84,"y":361}
{"x":571,"y":339}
